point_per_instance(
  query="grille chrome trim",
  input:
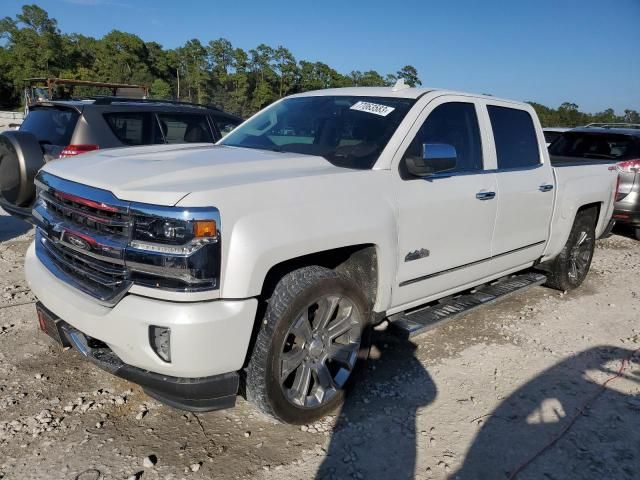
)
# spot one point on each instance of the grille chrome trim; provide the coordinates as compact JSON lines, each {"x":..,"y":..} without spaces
{"x":94,"y":272}
{"x":82,"y":236}
{"x":104,"y":296}
{"x":67,"y":209}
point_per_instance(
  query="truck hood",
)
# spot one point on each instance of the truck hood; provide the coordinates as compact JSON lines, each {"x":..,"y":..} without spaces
{"x":162,"y":175}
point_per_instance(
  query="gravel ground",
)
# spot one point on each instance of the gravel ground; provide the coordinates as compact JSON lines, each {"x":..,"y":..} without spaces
{"x":473,"y":399}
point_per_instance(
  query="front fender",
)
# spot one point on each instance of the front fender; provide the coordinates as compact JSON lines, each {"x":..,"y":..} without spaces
{"x":259,"y":241}
{"x":265,"y":222}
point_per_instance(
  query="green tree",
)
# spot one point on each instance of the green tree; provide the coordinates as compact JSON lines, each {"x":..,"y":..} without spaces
{"x":372,"y":79}
{"x":192,"y":63}
{"x":631,"y":116}
{"x":410,"y":75}
{"x":122,"y":57}
{"x":286,"y":68}
{"x":33,"y":45}
{"x":161,"y":89}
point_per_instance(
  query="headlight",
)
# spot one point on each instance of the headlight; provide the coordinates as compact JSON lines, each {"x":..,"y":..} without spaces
{"x":175,"y":248}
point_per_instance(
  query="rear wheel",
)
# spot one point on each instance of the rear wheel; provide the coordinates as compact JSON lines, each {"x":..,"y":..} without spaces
{"x":569,"y":269}
{"x":314,"y":334}
{"x":636,"y":233}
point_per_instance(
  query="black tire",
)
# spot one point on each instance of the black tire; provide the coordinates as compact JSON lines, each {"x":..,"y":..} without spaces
{"x":293,"y":297}
{"x":636,"y":233}
{"x":569,"y":269}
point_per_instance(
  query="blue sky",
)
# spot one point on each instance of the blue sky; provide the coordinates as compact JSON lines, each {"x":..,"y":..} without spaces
{"x":550,"y":51}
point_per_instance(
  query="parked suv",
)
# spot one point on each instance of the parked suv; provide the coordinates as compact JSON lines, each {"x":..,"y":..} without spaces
{"x":620,"y":143}
{"x":55,"y":129}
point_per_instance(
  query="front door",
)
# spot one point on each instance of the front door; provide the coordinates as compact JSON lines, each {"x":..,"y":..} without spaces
{"x":446,"y":220}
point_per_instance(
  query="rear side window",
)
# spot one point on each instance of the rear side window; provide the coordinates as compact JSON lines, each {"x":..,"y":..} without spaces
{"x":225,"y":125}
{"x":550,"y":136}
{"x":54,"y":126}
{"x":515,"y":137}
{"x":131,"y":128}
{"x":185,"y":128}
{"x":596,"y":146}
{"x":455,"y":124}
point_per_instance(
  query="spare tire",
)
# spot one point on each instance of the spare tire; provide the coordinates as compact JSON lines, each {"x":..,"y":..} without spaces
{"x":20,"y":159}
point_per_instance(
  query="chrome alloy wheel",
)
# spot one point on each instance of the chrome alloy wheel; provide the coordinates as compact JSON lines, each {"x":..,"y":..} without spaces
{"x":320,"y":351}
{"x":579,"y":256}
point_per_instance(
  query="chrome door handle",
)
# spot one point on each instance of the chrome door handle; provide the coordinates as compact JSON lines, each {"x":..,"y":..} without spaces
{"x":485,"y":195}
{"x":545,"y":188}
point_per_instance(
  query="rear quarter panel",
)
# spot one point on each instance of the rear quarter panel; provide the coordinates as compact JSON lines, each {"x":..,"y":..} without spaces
{"x":577,"y":186}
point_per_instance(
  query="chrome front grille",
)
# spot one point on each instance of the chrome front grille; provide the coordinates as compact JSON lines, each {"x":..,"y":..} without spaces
{"x":82,"y":212}
{"x":82,"y":236}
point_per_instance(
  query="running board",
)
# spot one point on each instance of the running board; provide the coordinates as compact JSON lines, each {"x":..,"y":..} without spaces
{"x":424,"y":319}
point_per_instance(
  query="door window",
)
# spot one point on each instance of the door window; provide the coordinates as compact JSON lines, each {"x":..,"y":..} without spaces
{"x":185,"y":128}
{"x":225,"y":125}
{"x":455,"y":124}
{"x":131,"y":128}
{"x":515,"y":138}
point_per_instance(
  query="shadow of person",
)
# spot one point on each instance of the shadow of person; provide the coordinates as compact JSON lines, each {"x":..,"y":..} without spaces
{"x":375,"y":435}
{"x":602,"y":444}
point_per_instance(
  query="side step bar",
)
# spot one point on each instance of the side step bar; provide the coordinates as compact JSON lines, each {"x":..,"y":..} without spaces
{"x":424,"y":319}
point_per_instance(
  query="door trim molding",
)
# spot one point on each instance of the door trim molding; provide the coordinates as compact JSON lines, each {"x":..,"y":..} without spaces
{"x":460,"y":267}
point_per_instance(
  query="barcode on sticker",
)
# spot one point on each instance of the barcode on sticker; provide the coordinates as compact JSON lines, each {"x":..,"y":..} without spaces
{"x":374,"y":108}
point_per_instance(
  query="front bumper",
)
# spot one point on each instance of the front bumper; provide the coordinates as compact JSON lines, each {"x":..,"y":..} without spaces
{"x":208,"y":338}
{"x":194,"y":394}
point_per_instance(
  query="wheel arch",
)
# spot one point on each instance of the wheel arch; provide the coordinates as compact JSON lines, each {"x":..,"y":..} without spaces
{"x":360,"y":263}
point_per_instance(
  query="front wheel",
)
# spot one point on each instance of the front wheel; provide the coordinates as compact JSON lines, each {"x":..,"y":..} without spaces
{"x":314,"y":334}
{"x":569,"y":269}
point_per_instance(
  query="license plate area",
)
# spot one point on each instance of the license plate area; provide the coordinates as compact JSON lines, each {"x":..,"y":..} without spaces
{"x":51,"y":325}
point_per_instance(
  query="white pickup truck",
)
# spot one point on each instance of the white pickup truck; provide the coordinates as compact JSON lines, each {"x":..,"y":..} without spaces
{"x":260,"y":264}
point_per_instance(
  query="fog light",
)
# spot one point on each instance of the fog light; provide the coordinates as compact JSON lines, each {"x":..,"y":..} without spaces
{"x":160,"y":340}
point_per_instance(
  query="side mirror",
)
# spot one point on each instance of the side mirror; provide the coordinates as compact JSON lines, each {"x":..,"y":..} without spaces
{"x":436,"y":158}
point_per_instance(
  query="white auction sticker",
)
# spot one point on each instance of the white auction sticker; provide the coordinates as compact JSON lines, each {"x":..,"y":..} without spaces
{"x":374,"y":108}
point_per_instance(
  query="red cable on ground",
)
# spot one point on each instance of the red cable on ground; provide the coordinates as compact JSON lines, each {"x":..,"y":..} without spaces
{"x":603,"y":388}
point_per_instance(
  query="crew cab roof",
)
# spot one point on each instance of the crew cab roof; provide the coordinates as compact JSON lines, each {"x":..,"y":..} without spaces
{"x":391,"y":92}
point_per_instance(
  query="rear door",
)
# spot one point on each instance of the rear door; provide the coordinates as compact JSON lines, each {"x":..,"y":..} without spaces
{"x":526,"y":185}
{"x":445,"y":221}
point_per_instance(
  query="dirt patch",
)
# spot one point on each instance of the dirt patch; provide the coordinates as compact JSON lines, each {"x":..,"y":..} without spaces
{"x":473,"y":399}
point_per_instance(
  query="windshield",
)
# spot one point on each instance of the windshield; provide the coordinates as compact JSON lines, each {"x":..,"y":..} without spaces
{"x":347,"y":131}
{"x":605,"y":146}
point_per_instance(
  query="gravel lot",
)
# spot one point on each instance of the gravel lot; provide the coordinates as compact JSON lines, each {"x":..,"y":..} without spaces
{"x":473,"y":399}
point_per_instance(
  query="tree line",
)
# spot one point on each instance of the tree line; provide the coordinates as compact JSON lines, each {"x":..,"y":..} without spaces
{"x":236,"y":80}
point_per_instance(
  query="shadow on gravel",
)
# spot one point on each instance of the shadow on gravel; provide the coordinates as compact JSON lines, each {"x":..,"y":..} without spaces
{"x":624,"y":231}
{"x":375,"y":435}
{"x":11,"y":227}
{"x":602,"y":443}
